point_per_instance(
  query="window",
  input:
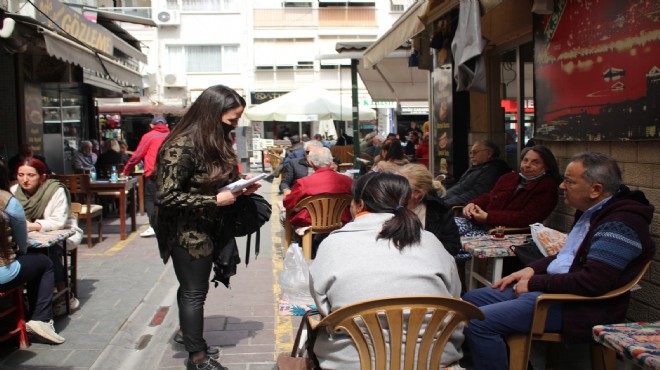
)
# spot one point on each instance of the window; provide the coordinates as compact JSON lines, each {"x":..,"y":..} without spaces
{"x":210,"y":5}
{"x":202,"y":58}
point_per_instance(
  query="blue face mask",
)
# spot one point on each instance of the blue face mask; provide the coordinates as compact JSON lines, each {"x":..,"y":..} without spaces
{"x":528,"y":179}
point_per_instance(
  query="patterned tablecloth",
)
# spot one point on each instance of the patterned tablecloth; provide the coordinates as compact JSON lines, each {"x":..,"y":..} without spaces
{"x":488,"y":247}
{"x":637,"y":341}
{"x":44,"y":239}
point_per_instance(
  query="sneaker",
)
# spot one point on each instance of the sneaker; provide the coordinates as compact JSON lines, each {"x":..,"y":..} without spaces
{"x":44,"y":330}
{"x":148,"y":232}
{"x":207,"y":364}
{"x":210,"y":351}
{"x":74,"y":303}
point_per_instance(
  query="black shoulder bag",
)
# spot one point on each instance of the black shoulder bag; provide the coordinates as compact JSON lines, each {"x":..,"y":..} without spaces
{"x":248,"y":215}
{"x":528,"y":252}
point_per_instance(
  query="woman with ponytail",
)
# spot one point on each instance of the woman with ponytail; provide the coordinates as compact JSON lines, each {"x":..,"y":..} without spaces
{"x":383,"y":253}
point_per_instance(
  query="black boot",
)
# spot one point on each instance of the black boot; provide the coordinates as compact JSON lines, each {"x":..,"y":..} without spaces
{"x":208,"y":363}
{"x":210,"y":351}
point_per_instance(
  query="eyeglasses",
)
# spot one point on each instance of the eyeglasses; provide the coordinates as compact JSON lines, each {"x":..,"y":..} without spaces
{"x":307,"y":152}
{"x":473,"y":152}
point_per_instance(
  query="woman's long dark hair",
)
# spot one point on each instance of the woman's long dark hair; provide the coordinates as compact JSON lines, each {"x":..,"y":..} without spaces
{"x":549,"y":160}
{"x":203,"y":124}
{"x":384,"y":192}
{"x":394,"y":150}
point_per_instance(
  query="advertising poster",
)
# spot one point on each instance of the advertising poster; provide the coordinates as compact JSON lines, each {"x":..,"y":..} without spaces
{"x":442,"y":119}
{"x":597,"y":73}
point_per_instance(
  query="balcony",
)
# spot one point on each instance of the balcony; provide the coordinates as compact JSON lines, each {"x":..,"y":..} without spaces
{"x":309,"y":17}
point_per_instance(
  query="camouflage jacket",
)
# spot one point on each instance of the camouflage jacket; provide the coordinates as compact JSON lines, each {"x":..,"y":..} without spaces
{"x":185,"y":215}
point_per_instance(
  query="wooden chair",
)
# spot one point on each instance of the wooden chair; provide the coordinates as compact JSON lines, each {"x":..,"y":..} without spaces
{"x":18,"y":310}
{"x":325,"y":211}
{"x":520,"y":344}
{"x":402,"y":317}
{"x":79,"y":184}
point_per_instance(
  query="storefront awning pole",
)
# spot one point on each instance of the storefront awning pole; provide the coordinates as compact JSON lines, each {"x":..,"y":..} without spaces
{"x":356,"y":122}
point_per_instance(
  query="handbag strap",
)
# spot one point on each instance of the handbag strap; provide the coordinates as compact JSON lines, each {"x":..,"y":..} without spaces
{"x":305,"y":325}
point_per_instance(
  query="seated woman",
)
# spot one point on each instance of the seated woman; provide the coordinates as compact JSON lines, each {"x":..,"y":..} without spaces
{"x":111,"y":155}
{"x":47,"y":207}
{"x":17,"y":267}
{"x":427,"y":204}
{"x":383,"y":253}
{"x":518,"y":199}
{"x":392,"y":157}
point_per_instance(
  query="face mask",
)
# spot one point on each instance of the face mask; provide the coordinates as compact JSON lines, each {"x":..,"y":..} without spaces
{"x":227,"y":127}
{"x":531,"y":178}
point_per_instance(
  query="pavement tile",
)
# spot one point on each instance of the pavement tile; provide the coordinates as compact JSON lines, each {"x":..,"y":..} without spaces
{"x":227,"y":338}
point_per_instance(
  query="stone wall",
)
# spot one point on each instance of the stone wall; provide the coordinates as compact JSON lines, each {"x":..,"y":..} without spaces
{"x":640,"y":165}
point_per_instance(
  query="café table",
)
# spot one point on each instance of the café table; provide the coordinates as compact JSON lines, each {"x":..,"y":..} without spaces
{"x":125,"y":187}
{"x":638,"y":343}
{"x":488,"y":247}
{"x":42,"y":241}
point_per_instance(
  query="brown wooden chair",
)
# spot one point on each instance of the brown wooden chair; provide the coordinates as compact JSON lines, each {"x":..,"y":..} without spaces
{"x":325,"y":211}
{"x":406,"y":319}
{"x":17,"y":324}
{"x":79,"y":185}
{"x":520,"y":344}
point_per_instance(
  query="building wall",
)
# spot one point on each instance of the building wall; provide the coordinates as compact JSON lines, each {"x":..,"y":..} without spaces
{"x":640,"y":166}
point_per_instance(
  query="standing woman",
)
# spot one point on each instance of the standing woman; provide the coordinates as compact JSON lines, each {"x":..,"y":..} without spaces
{"x":194,"y":163}
{"x":17,"y":267}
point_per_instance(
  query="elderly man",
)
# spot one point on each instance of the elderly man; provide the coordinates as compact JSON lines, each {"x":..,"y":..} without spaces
{"x":297,"y":168}
{"x":606,"y":248}
{"x":84,"y":159}
{"x":324,"y":180}
{"x":481,"y":176}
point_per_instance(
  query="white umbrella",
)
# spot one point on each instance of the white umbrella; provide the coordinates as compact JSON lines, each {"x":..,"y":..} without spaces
{"x":307,"y":104}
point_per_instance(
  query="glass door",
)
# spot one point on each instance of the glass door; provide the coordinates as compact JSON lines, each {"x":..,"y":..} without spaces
{"x":63,"y":128}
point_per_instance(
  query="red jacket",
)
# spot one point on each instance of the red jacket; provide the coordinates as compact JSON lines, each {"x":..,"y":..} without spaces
{"x":323,"y":181}
{"x":508,"y":206}
{"x":147,"y":149}
{"x":422,"y":153}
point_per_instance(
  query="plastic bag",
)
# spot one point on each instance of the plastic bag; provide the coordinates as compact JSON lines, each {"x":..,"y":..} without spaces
{"x":549,"y":241}
{"x":294,"y":278}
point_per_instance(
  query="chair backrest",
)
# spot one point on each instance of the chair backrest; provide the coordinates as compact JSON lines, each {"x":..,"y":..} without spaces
{"x":325,"y":211}
{"x":77,"y":184}
{"x":76,"y":208}
{"x":407,"y":319}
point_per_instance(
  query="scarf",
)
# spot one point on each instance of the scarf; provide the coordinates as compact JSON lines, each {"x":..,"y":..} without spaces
{"x":35,"y":205}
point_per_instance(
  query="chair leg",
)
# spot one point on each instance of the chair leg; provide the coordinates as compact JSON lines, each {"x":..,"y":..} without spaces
{"x":519,"y":347}
{"x":73,"y":254}
{"x":23,"y":341}
{"x":100,"y":228}
{"x":307,"y":245}
{"x":602,"y":357}
{"x":89,"y":229}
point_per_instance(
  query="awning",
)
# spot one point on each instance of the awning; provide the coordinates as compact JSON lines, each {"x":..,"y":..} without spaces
{"x":142,"y":108}
{"x":391,"y":79}
{"x":71,"y":52}
{"x":408,"y":25}
{"x":119,"y":17}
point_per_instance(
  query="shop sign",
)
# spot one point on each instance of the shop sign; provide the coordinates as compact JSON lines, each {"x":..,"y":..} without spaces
{"x":414,"y":110}
{"x":53,"y":13}
{"x":258,"y":97}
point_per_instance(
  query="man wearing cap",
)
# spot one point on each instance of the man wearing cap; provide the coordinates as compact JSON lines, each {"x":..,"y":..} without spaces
{"x":147,"y":151}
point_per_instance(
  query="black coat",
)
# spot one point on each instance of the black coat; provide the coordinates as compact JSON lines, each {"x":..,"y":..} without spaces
{"x":440,"y":222}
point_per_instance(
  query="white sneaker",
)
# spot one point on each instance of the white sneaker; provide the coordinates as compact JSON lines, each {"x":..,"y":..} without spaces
{"x":148,"y":232}
{"x":44,"y":330}
{"x":74,"y":303}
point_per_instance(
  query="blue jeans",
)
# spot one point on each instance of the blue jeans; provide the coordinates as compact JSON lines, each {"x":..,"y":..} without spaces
{"x":504,"y":314}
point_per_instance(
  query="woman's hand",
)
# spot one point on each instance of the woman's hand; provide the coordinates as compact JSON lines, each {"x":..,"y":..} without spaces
{"x":468,"y":210}
{"x":33,"y":226}
{"x":479,"y":215}
{"x":251,"y":189}
{"x":226,"y":197}
{"x":520,"y":276}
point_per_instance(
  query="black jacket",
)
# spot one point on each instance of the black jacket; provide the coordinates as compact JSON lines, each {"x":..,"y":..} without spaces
{"x":440,"y":222}
{"x":294,"y":170}
{"x":475,"y":181}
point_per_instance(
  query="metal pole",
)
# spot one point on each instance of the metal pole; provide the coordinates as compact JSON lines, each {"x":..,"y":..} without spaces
{"x":356,"y":117}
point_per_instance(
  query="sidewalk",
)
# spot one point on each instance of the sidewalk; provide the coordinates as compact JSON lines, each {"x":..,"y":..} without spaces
{"x":128,"y":313}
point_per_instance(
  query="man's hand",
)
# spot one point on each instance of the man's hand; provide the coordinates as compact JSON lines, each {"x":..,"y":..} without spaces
{"x":519,"y":276}
{"x":226,"y":197}
{"x":286,"y":192}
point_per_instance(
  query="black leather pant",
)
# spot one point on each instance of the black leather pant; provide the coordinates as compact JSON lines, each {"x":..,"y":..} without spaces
{"x":193,"y":276}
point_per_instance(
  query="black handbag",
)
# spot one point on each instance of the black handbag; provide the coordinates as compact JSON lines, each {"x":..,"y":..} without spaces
{"x":247,"y":216}
{"x":528,"y":252}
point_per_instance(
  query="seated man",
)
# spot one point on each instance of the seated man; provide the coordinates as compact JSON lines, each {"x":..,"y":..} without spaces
{"x":296,"y":168}
{"x":481,"y":177}
{"x":294,"y":152}
{"x":606,"y":248}
{"x":324,"y":180}
{"x":84,"y":159}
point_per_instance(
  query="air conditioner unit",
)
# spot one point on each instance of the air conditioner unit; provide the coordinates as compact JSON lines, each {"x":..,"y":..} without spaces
{"x":174,"y":80}
{"x":167,"y":18}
